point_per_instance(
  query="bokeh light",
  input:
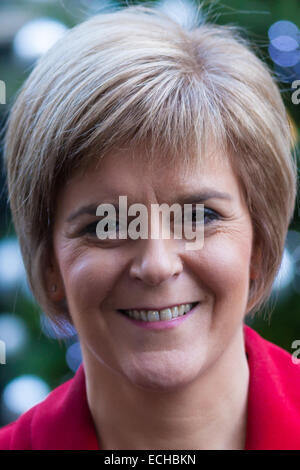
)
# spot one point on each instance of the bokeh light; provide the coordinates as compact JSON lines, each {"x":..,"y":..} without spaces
{"x":36,"y":37}
{"x":73,"y":356}
{"x":12,"y":271}
{"x":284,"y":48}
{"x":13,"y":279}
{"x":182,"y":11}
{"x":286,"y":272}
{"x":13,"y":332}
{"x":21,"y":394}
{"x":283,"y":28}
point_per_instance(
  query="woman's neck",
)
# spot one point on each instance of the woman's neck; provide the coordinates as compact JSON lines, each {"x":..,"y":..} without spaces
{"x":208,"y":413}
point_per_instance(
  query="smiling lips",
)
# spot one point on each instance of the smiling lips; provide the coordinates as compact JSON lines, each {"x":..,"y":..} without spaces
{"x":160,"y":315}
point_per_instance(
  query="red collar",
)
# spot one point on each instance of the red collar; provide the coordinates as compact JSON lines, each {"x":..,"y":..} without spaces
{"x":273,"y":397}
{"x":63,"y":420}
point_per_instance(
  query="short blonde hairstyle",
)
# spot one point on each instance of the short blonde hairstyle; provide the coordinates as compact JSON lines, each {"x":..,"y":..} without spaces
{"x":136,"y":77}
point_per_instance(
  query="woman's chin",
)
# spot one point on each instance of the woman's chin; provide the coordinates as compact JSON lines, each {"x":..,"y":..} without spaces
{"x":162,"y":375}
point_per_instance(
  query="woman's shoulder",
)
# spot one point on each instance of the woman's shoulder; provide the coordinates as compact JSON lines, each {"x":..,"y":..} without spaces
{"x":273,"y":395}
{"x":273,"y":400}
{"x":16,"y":435}
{"x":259,"y":347}
{"x":274,"y":369}
{"x":62,"y":421}
{"x":19,"y":435}
{"x":265,"y":354}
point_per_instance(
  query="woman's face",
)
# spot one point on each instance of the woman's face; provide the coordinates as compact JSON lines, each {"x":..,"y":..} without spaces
{"x":100,"y":277}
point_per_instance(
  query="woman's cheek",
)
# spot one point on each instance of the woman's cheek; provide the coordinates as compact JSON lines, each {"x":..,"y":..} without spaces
{"x":88,"y":278}
{"x":222,"y":266}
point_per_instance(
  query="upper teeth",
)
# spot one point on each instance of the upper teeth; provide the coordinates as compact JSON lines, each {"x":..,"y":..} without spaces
{"x":158,"y":315}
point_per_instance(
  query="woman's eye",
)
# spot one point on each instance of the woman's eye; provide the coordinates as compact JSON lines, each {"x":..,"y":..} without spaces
{"x":209,"y":216}
{"x":91,"y":228}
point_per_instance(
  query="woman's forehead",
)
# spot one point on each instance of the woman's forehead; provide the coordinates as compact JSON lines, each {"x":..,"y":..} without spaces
{"x":157,"y":162}
{"x":135,"y":176}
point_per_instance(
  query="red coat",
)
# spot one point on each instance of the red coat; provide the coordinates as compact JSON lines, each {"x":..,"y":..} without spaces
{"x":63,"y":419}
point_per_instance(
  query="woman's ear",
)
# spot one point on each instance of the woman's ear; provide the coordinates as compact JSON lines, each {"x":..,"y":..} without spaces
{"x":54,"y":282}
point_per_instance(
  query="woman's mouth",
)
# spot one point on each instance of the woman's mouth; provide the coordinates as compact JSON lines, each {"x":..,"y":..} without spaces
{"x":165,"y":314}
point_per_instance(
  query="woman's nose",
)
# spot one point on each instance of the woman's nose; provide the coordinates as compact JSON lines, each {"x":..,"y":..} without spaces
{"x":155,"y":262}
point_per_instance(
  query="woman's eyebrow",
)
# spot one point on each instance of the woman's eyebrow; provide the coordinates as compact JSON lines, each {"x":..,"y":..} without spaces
{"x":198,"y":197}
{"x":203,"y":196}
{"x":88,"y":209}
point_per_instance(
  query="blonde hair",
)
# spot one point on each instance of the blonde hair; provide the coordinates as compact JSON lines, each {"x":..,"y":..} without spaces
{"x":136,"y":77}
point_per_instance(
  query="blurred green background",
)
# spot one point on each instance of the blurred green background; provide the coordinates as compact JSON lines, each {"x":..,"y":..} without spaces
{"x":35,"y":361}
